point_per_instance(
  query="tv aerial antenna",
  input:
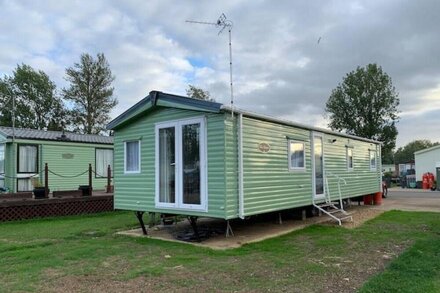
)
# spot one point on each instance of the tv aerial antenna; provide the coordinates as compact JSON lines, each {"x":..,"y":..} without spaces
{"x":223,"y":23}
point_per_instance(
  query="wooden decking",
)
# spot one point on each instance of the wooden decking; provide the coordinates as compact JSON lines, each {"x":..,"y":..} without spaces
{"x":23,"y":206}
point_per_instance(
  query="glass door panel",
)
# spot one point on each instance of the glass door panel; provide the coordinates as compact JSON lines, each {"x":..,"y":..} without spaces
{"x":167,"y":165}
{"x":318,"y":165}
{"x":181,"y":164}
{"x":191,"y":164}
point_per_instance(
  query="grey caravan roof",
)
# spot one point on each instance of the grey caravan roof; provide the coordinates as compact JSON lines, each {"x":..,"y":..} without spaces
{"x":33,"y":134}
{"x":156,"y":98}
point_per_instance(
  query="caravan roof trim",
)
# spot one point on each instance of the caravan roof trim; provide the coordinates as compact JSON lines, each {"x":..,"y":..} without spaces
{"x":296,"y":124}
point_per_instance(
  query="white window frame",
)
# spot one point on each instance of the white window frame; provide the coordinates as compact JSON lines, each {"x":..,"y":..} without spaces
{"x":347,"y":158}
{"x":372,"y":167}
{"x":3,"y":172}
{"x":292,"y":168}
{"x":178,"y":204}
{"x":125,"y":157}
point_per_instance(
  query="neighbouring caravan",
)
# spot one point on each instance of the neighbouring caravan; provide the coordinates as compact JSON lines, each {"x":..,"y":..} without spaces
{"x":24,"y":153}
{"x":177,"y":155}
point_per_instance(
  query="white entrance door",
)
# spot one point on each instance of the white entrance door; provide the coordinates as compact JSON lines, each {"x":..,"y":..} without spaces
{"x":318,"y":166}
{"x":181,"y":164}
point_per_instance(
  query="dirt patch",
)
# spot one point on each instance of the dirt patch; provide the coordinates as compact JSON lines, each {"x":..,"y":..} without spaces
{"x":361,"y":214}
{"x":323,"y":273}
{"x":98,"y":284}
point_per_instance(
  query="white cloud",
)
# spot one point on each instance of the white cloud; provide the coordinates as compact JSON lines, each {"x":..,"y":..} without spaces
{"x":279,"y":67}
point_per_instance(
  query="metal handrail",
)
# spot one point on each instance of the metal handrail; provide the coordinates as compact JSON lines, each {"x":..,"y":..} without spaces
{"x":339,"y":185}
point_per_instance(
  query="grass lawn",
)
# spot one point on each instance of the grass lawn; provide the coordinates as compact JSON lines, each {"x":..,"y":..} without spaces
{"x":398,"y":251}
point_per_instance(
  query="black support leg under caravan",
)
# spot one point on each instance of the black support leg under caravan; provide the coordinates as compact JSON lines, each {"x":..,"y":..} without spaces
{"x":193,"y":221}
{"x":141,"y":221}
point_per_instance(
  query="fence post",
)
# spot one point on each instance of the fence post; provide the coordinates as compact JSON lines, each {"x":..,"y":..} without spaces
{"x":109,"y":180}
{"x":46,"y":180}
{"x":90,"y":179}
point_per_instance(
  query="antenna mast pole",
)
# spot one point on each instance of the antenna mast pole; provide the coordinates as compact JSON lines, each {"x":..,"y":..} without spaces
{"x":223,"y":23}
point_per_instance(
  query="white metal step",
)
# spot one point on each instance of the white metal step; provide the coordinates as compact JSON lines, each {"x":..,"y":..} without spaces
{"x":327,"y":204}
{"x":346,"y":218}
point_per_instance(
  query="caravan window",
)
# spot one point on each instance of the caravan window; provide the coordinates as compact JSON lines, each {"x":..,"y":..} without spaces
{"x":103,"y":158}
{"x":297,"y":157}
{"x":2,"y":165}
{"x":27,"y":164}
{"x":372,"y":160}
{"x":349,"y":158}
{"x":27,"y":159}
{"x":132,"y":157}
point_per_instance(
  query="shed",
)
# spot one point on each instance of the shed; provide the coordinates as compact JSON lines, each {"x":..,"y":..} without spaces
{"x":177,"y":155}
{"x":23,"y":153}
{"x":427,"y":160}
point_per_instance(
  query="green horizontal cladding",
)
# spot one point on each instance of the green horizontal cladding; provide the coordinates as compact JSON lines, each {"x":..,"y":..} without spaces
{"x":360,"y":180}
{"x":269,"y":185}
{"x":10,"y":164}
{"x":51,"y":152}
{"x":231,"y":166}
{"x":68,"y":166}
{"x":137,"y":191}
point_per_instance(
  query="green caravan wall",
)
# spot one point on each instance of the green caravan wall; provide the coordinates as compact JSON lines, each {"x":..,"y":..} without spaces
{"x":10,"y":161}
{"x":361,"y":180}
{"x":78,"y":158}
{"x":52,"y":153}
{"x":231,"y":166}
{"x":137,"y":191}
{"x":268,"y":183}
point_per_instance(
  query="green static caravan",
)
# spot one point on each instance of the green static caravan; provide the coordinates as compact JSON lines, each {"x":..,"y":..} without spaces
{"x":24,"y":153}
{"x":176,"y":155}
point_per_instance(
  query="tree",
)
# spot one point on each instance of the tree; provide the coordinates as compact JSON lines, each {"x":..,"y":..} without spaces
{"x":365,"y":104}
{"x":198,"y":93}
{"x":406,"y":153}
{"x":91,"y":92}
{"x":37,"y":105}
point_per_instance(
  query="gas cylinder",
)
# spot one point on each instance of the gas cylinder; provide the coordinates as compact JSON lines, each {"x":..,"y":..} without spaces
{"x":425,"y":181}
{"x":430,"y":180}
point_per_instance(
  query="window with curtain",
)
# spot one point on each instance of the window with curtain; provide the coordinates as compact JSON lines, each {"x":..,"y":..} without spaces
{"x":104,"y":157}
{"x":24,"y":184}
{"x":132,"y":157}
{"x":372,"y":160}
{"x":27,"y":159}
{"x":296,"y":155}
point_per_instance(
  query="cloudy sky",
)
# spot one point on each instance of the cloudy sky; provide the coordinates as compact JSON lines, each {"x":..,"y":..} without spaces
{"x":280,"y":68}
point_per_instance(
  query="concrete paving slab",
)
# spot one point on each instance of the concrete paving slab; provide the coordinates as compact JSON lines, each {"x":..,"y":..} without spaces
{"x":249,"y":231}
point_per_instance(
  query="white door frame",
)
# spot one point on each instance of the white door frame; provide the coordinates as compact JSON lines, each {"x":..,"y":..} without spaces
{"x":317,"y":196}
{"x":178,"y":204}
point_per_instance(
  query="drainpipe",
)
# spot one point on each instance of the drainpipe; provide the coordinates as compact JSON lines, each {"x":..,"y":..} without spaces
{"x":379,"y":164}
{"x":240,"y":168}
